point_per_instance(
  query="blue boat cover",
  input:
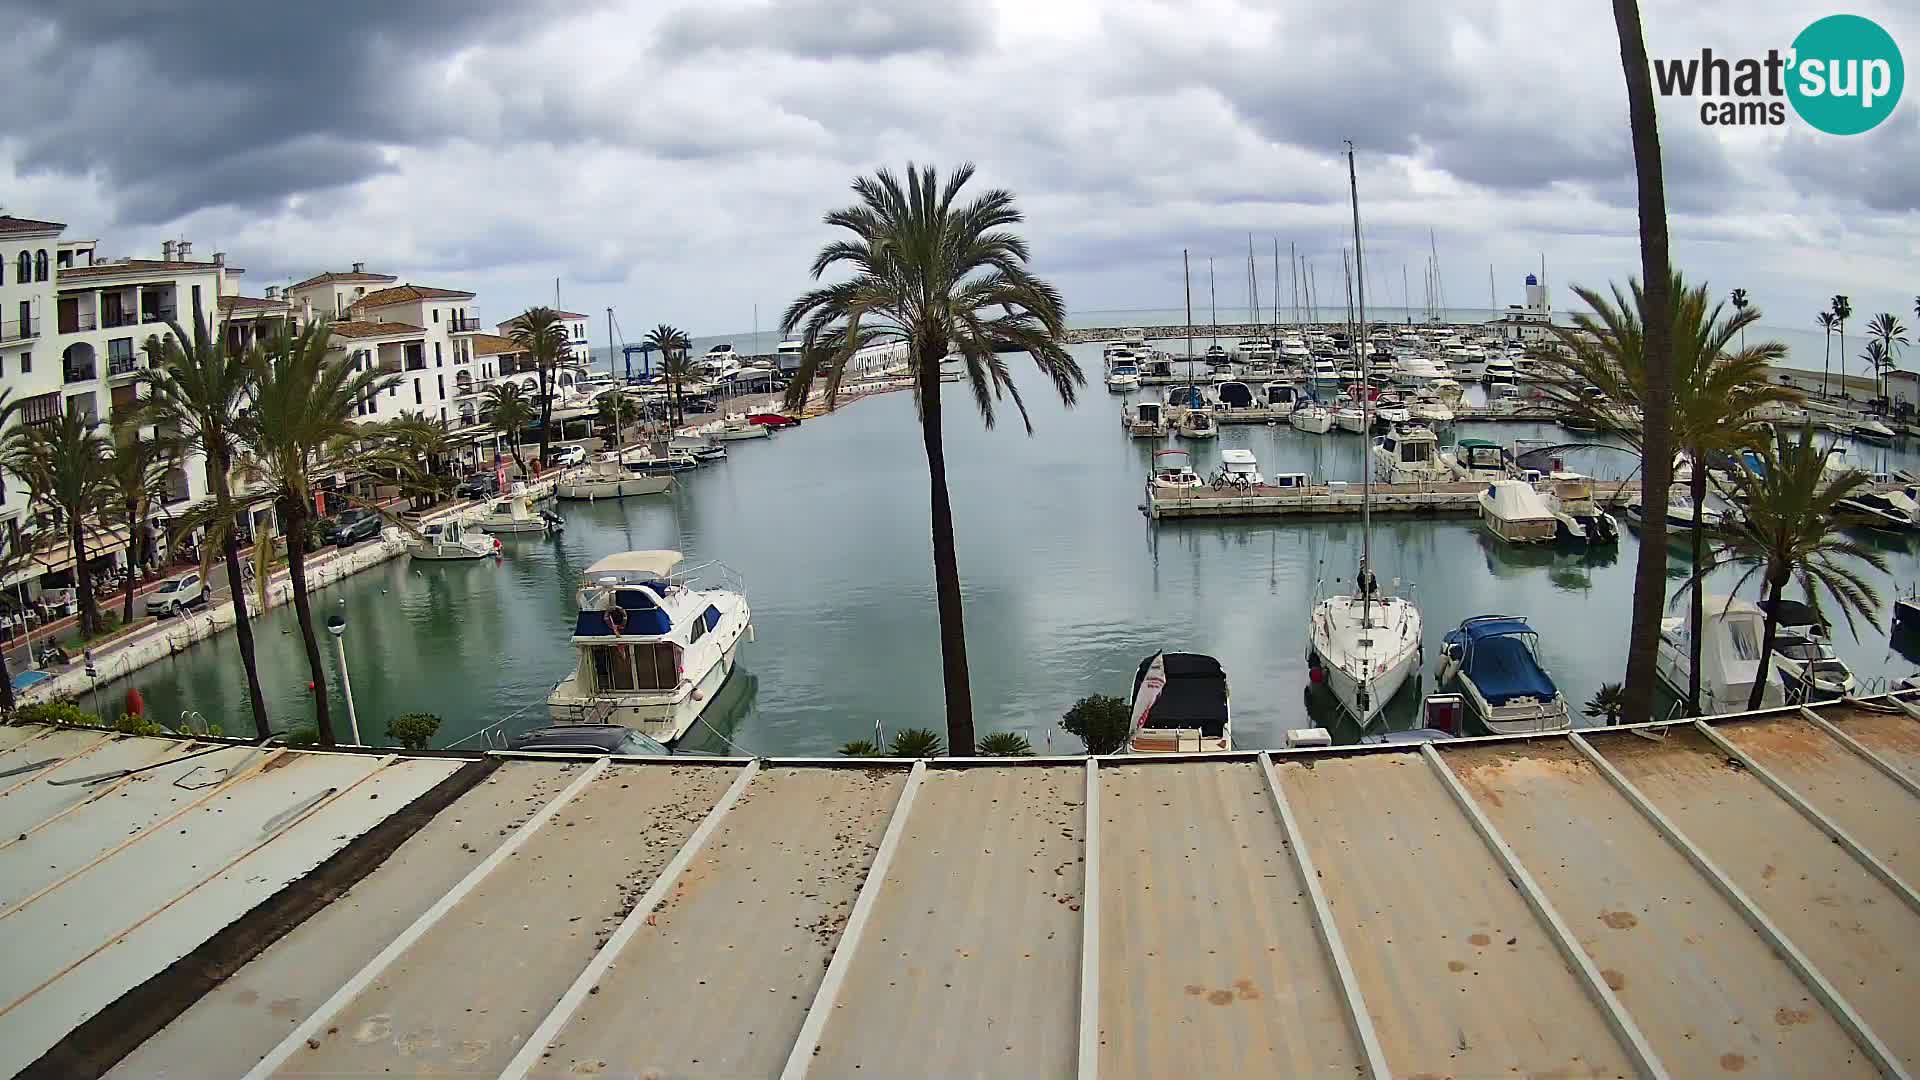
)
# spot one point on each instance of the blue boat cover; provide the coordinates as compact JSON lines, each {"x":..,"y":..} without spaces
{"x":1481,"y":629}
{"x":1503,"y":668}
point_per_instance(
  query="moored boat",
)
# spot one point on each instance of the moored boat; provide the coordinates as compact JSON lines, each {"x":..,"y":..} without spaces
{"x":449,"y":541}
{"x":1146,"y":420}
{"x":517,"y":514}
{"x":1173,"y":471}
{"x":1514,"y":512}
{"x":1408,"y":455}
{"x":1495,"y":662}
{"x":1181,"y":705}
{"x":606,"y":477}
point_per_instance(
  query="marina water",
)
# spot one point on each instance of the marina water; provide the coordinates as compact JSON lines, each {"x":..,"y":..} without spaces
{"x":1067,"y":587}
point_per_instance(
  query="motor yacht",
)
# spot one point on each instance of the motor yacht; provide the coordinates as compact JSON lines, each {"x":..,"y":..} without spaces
{"x":1173,"y":471}
{"x":1124,"y":376}
{"x":1582,"y":520}
{"x":1409,"y":455}
{"x":1238,"y":468}
{"x":1729,"y":658}
{"x":1196,"y":423}
{"x":607,"y":477}
{"x":654,"y":643}
{"x":1479,"y":460}
{"x":518,"y":514}
{"x":1513,"y":511}
{"x":1679,"y":511}
{"x":1891,"y":510}
{"x":1181,"y":705}
{"x":451,"y":541}
{"x":1494,"y":661}
{"x":1872,"y":431}
{"x":1145,"y":420}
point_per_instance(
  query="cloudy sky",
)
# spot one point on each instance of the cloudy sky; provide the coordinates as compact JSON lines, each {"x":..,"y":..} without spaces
{"x":673,"y":161}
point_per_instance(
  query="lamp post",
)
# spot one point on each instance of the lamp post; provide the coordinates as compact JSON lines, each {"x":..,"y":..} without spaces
{"x":337,"y":626}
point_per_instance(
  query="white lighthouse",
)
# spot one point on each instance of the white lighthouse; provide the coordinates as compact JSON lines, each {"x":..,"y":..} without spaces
{"x":1537,"y":303}
{"x":1529,"y":322}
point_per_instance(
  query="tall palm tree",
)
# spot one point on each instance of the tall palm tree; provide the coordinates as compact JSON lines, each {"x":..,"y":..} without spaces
{"x":616,"y":411}
{"x":135,"y":483}
{"x":1649,"y":581}
{"x":1740,"y":302}
{"x":298,"y":424}
{"x":1715,"y":391}
{"x":1842,"y":310}
{"x":193,"y":391}
{"x":939,"y":277}
{"x":1827,"y":322}
{"x":1787,"y":532}
{"x":677,"y":368}
{"x":506,"y":407}
{"x":1890,"y":334}
{"x":540,"y":333}
{"x":63,"y":461}
{"x":425,"y":441}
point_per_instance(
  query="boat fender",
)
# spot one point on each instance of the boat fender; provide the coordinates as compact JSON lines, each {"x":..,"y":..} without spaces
{"x":616,"y":617}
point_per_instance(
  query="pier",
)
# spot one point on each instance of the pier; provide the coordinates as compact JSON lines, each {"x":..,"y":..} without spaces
{"x":1340,"y":497}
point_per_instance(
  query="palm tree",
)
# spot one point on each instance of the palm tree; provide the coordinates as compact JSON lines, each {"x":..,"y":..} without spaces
{"x":16,"y":552}
{"x":135,"y":483}
{"x":1649,"y":581}
{"x":1787,"y":532}
{"x":1740,"y":302}
{"x":616,"y":411}
{"x":298,"y":424}
{"x":422,"y":439}
{"x":1842,"y":310}
{"x":1715,"y":390}
{"x":506,"y":407}
{"x":677,"y":367}
{"x":63,"y":461}
{"x":1827,"y":323}
{"x":938,"y":277}
{"x":1890,"y":334}
{"x":193,"y":391}
{"x":540,"y":333}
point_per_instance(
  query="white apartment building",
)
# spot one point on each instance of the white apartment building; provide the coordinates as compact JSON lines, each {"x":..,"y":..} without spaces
{"x":578,"y":351}
{"x":421,"y":333}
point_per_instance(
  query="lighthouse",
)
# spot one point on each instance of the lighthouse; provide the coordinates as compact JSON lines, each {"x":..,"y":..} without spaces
{"x":1537,"y":303}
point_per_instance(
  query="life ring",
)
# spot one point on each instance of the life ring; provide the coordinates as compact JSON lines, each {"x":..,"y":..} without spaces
{"x":616,"y":617}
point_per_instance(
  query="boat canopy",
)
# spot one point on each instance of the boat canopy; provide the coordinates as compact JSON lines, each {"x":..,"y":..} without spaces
{"x":1237,"y":456}
{"x":1195,"y":695}
{"x":1189,"y":396}
{"x":1487,"y":626}
{"x":1788,"y":612}
{"x":1498,"y":657}
{"x":1235,"y":395}
{"x":658,"y":563}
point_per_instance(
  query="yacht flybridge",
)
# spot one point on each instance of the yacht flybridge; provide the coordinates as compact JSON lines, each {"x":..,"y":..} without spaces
{"x":1362,"y":645}
{"x":654,"y":643}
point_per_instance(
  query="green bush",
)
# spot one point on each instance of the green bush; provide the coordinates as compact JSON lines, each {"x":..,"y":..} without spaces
{"x":303,"y":735}
{"x":414,"y":730}
{"x":916,"y":742}
{"x":1607,"y":703}
{"x":1100,"y":721}
{"x":1004,"y":744}
{"x":860,"y":748}
{"x":129,"y":724}
{"x":55,"y":712}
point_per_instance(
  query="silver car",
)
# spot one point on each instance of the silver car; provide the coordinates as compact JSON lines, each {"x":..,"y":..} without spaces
{"x":176,"y":595}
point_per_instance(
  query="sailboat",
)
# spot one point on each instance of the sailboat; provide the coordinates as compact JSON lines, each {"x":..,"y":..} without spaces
{"x":1195,"y":417}
{"x":1363,"y":644}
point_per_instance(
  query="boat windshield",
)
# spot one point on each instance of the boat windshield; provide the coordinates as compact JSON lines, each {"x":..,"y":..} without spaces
{"x":635,"y":666}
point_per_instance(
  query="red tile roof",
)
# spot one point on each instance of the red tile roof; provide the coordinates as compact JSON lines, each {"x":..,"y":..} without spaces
{"x":137,"y":266}
{"x":10,"y":225}
{"x":332,"y":277}
{"x":407,"y":294}
{"x":353,"y":329}
{"x":492,"y":345}
{"x":569,"y":315}
{"x":250,"y":303}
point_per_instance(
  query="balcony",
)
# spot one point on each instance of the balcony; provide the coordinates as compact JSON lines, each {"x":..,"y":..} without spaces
{"x":160,"y":315}
{"x":463,"y":324}
{"x":122,"y":365}
{"x":113,"y":319}
{"x":19,"y":330}
{"x":86,"y":372}
{"x":74,"y":322}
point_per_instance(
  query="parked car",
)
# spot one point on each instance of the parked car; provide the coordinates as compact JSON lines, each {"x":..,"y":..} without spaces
{"x":176,"y":595}
{"x":588,"y":739}
{"x":478,"y":486}
{"x":353,"y":527}
{"x":561,"y":457}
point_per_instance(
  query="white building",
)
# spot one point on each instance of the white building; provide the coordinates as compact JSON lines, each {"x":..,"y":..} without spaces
{"x":578,"y":350}
{"x":420,"y":333}
{"x":1532,"y":321}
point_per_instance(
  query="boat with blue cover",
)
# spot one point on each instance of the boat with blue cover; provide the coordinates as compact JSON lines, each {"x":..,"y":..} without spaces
{"x":655,"y":643}
{"x":1494,"y":660}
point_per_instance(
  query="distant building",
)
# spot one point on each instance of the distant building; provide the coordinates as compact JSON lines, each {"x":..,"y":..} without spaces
{"x":1529,"y":322}
{"x":578,"y":350}
{"x":421,"y":333}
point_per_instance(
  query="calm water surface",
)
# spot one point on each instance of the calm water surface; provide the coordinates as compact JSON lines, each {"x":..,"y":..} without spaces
{"x":1067,"y":586}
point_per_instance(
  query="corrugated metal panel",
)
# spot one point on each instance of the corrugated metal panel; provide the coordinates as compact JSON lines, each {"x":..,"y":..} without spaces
{"x":237,"y":1022}
{"x":744,"y":937}
{"x":1709,"y":993}
{"x":11,"y":736}
{"x":166,"y":935}
{"x":989,"y":984}
{"x":1855,"y":930}
{"x":466,"y":995}
{"x":27,"y":805}
{"x":115,"y":813}
{"x":1424,"y":910}
{"x":1210,"y":965}
{"x":87,"y":910}
{"x":18,"y":764}
{"x":1893,"y":736}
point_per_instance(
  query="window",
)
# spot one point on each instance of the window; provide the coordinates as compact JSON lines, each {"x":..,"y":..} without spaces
{"x":196,"y":300}
{"x":699,"y":630}
{"x":441,"y":382}
{"x":120,"y":349}
{"x":640,"y":666}
{"x":26,"y":363}
{"x":436,"y":355}
{"x":436,"y":314}
{"x":40,"y":266}
{"x":416,"y":392}
{"x":64,"y":260}
{"x":1745,"y":637}
{"x":23,"y":272}
{"x":612,"y":667}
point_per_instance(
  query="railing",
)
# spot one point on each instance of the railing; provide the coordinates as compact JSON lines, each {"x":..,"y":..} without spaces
{"x":73,"y":322}
{"x":19,"y":330}
{"x":416,"y":363}
{"x":118,"y":318}
{"x":80,"y":372}
{"x":121,"y":365}
{"x":163,"y":315}
{"x":463,"y":324}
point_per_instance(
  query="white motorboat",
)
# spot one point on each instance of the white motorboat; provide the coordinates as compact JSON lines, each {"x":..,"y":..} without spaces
{"x":1582,"y":520}
{"x":1324,"y":370}
{"x":1293,"y":349}
{"x":1280,"y":396}
{"x":1254,"y":350}
{"x":1352,"y":418}
{"x":1495,"y":661}
{"x":1123,"y":377}
{"x":1234,"y":394}
{"x":700,"y":448}
{"x":1679,"y":511}
{"x":654,"y":643}
{"x":1872,"y":431}
{"x":518,"y":514}
{"x":607,"y":477}
{"x":1311,"y":417}
{"x":1499,"y":369}
{"x":1180,"y":706}
{"x":1892,"y":510}
{"x":1409,"y":455}
{"x":1173,"y":471}
{"x":1239,"y":468}
{"x":1416,"y":370}
{"x":1363,"y":644}
{"x":734,"y":429}
{"x":1196,"y":423}
{"x":1731,"y":635}
{"x":1514,"y":512}
{"x":451,"y":540}
{"x":1430,"y":410}
{"x":1479,"y":460}
{"x":1146,"y":420}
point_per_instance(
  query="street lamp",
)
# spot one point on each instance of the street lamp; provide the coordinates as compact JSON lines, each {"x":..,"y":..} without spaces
{"x":337,"y":626}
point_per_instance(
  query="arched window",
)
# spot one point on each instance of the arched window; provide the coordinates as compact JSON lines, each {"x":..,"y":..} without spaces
{"x":25,"y":264}
{"x":40,"y":266}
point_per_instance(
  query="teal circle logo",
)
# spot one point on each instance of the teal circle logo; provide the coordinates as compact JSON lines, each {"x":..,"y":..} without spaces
{"x":1846,"y":75}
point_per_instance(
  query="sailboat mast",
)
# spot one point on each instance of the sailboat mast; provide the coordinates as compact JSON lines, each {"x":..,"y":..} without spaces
{"x":1276,"y":294}
{"x":1366,"y":399}
{"x":1186,"y":274}
{"x":1406,"y":298}
{"x":1493,"y":301}
{"x":1293,"y":276}
{"x":1213,"y":300}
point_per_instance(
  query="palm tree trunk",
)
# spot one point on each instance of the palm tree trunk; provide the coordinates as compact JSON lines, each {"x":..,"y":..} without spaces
{"x":7,"y":702}
{"x":546,"y":409}
{"x":1697,"y":604}
{"x":1826,"y":361}
{"x":1650,"y":575}
{"x":1774,"y":588}
{"x":294,"y":513}
{"x":83,"y":578}
{"x":133,"y":561}
{"x":237,"y":589}
{"x":946,"y":570}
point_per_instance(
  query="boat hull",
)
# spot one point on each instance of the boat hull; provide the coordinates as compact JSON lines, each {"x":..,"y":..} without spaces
{"x":1364,"y":685}
{"x":666,"y":716}
{"x":590,"y":489}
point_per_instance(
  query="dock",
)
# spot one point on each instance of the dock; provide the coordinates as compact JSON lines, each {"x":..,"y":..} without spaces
{"x":1340,"y":498}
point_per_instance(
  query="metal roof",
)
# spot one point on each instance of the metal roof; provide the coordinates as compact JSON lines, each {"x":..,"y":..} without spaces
{"x":1687,"y":899}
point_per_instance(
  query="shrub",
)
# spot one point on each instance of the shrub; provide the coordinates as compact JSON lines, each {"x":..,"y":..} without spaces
{"x":860,"y":748}
{"x":414,"y":730}
{"x":916,"y":742}
{"x":1100,"y":721}
{"x":303,"y":735}
{"x":1609,"y":703}
{"x":129,"y":724}
{"x":55,"y":712}
{"x":1004,"y":744}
